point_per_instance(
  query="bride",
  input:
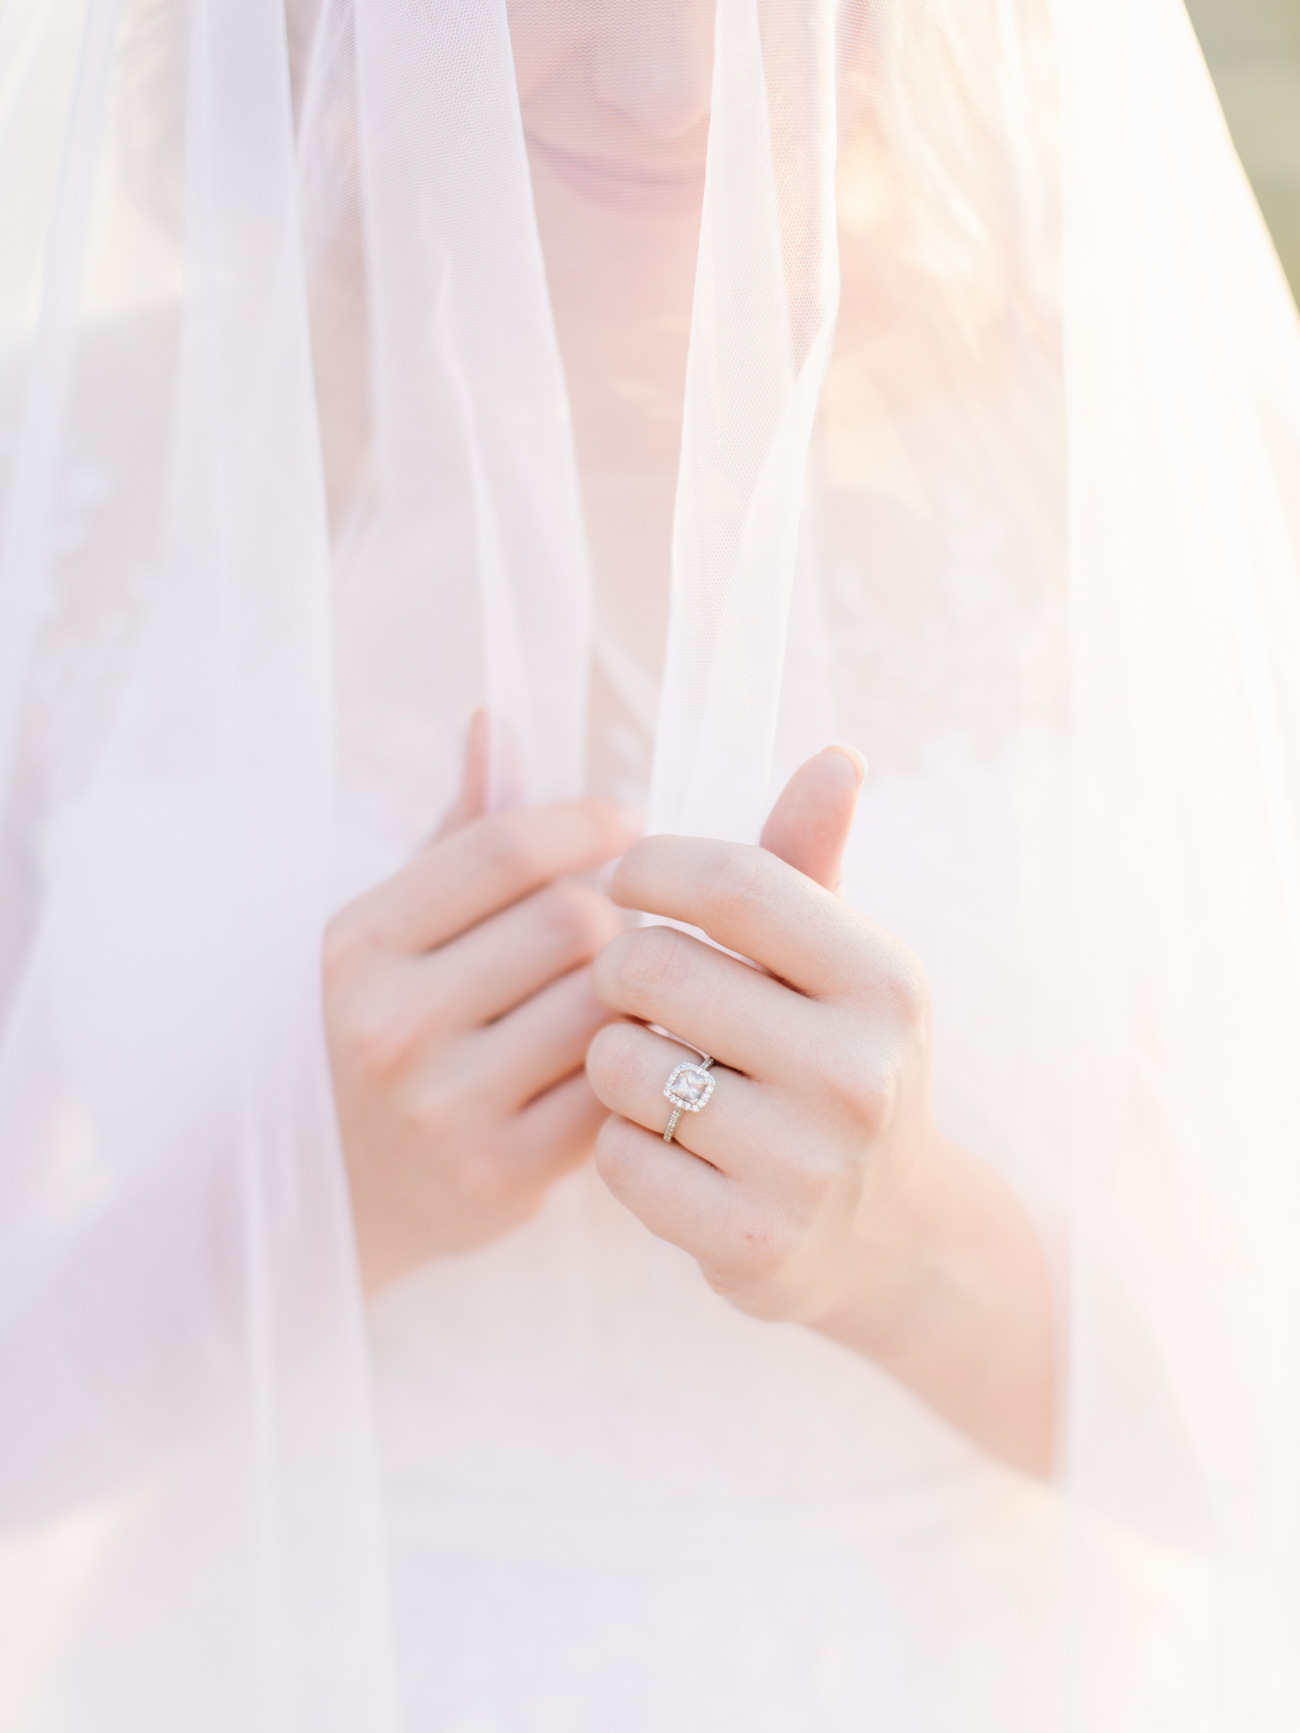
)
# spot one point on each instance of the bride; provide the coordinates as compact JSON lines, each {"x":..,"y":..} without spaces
{"x":540,"y":1190}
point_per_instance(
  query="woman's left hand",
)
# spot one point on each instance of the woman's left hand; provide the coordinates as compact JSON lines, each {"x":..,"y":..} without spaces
{"x":812,"y":1186}
{"x":820,"y":1117}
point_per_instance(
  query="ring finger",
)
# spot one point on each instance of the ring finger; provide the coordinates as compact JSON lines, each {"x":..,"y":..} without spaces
{"x":629,"y":1065}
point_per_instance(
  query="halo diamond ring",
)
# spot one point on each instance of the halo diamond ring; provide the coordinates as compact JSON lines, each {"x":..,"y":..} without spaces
{"x":688,"y":1088}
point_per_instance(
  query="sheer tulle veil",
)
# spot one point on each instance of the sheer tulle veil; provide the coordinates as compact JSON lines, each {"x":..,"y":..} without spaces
{"x":299,"y":464}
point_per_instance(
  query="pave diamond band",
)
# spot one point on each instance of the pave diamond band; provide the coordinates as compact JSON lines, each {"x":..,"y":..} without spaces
{"x":688,"y":1088}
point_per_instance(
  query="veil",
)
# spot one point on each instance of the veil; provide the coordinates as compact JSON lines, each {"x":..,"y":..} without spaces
{"x":316,"y":433}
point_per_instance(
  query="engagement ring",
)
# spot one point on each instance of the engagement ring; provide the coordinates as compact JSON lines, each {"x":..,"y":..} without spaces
{"x":689,"y":1089}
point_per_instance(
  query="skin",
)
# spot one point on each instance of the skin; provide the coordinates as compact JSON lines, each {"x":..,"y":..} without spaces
{"x":814,"y":1187}
{"x":458,"y":1011}
{"x":463,"y":996}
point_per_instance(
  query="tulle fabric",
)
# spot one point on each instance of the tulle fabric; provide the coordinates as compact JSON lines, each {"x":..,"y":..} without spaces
{"x":301,"y":464}
{"x":1184,"y":394}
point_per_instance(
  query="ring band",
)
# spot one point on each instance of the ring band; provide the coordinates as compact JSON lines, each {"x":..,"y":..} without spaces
{"x":688,"y":1088}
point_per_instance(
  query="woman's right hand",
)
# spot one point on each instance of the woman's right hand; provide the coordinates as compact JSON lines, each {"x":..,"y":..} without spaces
{"x":458,"y":1012}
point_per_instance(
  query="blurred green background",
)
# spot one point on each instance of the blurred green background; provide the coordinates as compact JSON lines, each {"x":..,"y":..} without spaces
{"x":1253,"y":47}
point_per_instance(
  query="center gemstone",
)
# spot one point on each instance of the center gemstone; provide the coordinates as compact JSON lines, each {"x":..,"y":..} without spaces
{"x":691,"y":1085}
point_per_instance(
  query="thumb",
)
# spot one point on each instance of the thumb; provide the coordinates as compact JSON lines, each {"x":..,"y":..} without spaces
{"x":809,"y":825}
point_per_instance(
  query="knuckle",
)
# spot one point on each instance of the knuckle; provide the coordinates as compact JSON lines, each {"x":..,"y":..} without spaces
{"x":873,"y":1097}
{"x":648,"y":961}
{"x":347,"y":941}
{"x":379,"y":1047}
{"x":865,"y":1086}
{"x":369,"y":1039}
{"x":574,"y":918}
{"x":431,"y":1116}
{"x":606,"y":828}
{"x":489,"y":1186}
{"x":906,"y":991}
{"x":735,"y":881}
{"x":508,"y":850}
{"x":893,"y":986}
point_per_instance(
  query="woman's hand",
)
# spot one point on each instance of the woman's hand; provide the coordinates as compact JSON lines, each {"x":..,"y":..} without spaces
{"x":458,"y":1010}
{"x":813,"y":1186}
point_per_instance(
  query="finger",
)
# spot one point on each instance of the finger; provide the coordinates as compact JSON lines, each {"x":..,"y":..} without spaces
{"x":809,"y":825}
{"x":536,"y":1045}
{"x":628,"y":1067}
{"x":512,"y":955}
{"x":752,"y":903}
{"x":557,"y":1132}
{"x":746,"y":1019}
{"x":471,"y":799}
{"x":677,"y":1196}
{"x":457,"y":881}
{"x":531,"y":1151}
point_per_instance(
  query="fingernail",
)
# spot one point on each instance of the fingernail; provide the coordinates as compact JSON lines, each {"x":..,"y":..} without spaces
{"x":858,"y":762}
{"x":605,"y":877}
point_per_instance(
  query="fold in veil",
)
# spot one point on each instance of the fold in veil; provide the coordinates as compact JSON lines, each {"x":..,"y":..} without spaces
{"x":196,"y":495}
